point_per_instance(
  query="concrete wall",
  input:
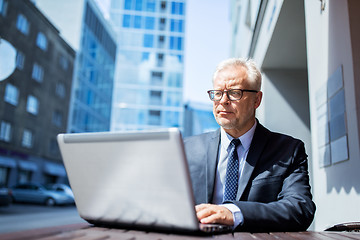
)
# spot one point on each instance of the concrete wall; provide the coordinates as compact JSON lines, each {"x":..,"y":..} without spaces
{"x":336,"y":186}
{"x":286,"y":104}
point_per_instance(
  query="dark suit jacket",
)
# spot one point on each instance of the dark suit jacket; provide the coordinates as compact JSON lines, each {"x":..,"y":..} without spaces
{"x":274,"y":191}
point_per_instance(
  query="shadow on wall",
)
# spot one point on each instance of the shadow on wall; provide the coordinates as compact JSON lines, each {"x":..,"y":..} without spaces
{"x":341,"y":165}
{"x":292,"y":85}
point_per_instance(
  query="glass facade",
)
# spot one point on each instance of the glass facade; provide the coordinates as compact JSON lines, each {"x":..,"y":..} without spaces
{"x":199,"y":118}
{"x":93,"y":83}
{"x":149,"y":73}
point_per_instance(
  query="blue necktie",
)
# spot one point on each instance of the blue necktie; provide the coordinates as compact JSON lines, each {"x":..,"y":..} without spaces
{"x":232,"y":172}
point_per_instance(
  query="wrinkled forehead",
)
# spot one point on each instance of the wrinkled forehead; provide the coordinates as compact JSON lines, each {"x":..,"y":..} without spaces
{"x":231,"y":76}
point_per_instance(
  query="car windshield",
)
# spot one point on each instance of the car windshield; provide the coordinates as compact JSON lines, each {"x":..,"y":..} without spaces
{"x":56,"y":188}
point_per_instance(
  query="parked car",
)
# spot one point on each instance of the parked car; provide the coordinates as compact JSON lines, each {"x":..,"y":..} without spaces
{"x":60,"y":187}
{"x":37,"y":193}
{"x":5,"y":196}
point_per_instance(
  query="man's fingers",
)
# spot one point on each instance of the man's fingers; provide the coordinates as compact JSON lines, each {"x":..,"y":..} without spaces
{"x":201,"y":206}
{"x":209,"y":213}
{"x":203,"y":211}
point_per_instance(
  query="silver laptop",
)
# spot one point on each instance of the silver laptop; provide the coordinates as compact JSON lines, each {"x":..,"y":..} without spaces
{"x":132,"y":180}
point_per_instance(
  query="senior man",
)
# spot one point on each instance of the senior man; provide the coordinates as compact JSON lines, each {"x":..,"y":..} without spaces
{"x":243,"y":174}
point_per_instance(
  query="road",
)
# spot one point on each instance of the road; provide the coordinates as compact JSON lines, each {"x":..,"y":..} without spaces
{"x":18,"y":217}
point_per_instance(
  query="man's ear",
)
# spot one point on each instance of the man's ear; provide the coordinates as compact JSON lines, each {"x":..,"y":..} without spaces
{"x":258,"y":99}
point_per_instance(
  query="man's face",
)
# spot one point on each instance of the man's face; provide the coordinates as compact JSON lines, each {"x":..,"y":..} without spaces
{"x":236,"y":117}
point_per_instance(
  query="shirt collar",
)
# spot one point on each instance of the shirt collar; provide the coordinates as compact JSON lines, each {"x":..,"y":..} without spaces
{"x":245,"y":139}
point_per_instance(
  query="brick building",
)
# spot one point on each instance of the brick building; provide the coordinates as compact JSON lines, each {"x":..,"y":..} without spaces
{"x":34,"y":99}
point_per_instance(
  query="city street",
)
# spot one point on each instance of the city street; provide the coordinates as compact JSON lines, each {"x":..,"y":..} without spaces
{"x":18,"y":217}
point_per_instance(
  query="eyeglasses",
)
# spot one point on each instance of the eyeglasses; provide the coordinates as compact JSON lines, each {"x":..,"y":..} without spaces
{"x":232,"y":94}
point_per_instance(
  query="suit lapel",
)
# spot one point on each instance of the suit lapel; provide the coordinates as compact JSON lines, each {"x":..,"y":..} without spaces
{"x":257,"y":145}
{"x":212,"y":155}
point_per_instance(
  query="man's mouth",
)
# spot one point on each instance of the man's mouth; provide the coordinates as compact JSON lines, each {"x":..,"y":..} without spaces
{"x":225,"y":112}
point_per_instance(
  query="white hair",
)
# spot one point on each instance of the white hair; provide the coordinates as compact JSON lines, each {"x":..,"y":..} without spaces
{"x":253,"y":73}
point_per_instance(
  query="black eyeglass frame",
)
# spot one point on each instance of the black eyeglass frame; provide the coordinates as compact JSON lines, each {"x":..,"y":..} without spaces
{"x":211,"y":92}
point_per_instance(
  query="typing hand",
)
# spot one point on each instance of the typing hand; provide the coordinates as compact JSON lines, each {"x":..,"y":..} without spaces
{"x":211,"y":213}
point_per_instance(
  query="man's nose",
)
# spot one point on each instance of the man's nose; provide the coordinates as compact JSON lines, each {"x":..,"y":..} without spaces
{"x":225,"y":99}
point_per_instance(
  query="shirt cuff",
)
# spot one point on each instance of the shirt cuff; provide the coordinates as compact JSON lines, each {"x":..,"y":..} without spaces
{"x":237,"y":214}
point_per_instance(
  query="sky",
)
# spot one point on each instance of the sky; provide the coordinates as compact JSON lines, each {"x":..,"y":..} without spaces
{"x":207,"y":43}
{"x":207,"y":40}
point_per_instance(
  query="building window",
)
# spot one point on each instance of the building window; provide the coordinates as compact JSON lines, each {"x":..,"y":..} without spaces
{"x":138,"y":5}
{"x":32,"y":105}
{"x":174,"y":79}
{"x":160,"y":60}
{"x":176,"y":25}
{"x":161,"y":42}
{"x":4,"y":175}
{"x":27,"y":139}
{"x":173,"y":99}
{"x":156,"y":78}
{"x":24,"y":176}
{"x":127,"y":5}
{"x":64,"y":63}
{"x":175,"y":43}
{"x":126,"y":20}
{"x":3,"y":7}
{"x":37,"y":73}
{"x":60,"y":90}
{"x":41,"y":41}
{"x":162,"y":25}
{"x":149,"y":23}
{"x":148,"y":40}
{"x":145,"y":56}
{"x":137,"y":22}
{"x":5,"y":131}
{"x":57,"y":118}
{"x":172,"y":119}
{"x":150,"y":5}
{"x":11,"y":94}
{"x":22,"y":24}
{"x":154,"y":117}
{"x":163,"y":6}
{"x":155,"y":97}
{"x":177,"y":8}
{"x":20,"y":59}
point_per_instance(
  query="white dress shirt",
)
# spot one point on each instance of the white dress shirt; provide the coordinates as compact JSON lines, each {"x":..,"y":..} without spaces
{"x":242,"y":151}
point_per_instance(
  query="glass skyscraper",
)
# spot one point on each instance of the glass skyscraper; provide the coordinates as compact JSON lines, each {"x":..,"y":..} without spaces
{"x":94,"y":73}
{"x":149,"y":73}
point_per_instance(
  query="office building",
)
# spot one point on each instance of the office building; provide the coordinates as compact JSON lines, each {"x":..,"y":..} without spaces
{"x":94,"y":72}
{"x":34,"y":99}
{"x":150,"y":60}
{"x":83,"y":24}
{"x":309,"y":55}
{"x":198,"y":118}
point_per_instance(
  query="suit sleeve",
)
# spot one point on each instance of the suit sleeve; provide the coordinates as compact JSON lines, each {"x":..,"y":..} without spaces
{"x":292,"y":209}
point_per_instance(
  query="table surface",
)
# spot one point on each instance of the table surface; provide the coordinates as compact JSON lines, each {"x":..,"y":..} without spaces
{"x":85,"y":231}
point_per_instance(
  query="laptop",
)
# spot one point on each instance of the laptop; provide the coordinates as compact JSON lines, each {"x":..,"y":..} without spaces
{"x":136,"y":180}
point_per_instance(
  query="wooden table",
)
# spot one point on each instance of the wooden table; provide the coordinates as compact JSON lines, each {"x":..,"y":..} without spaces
{"x":84,"y":231}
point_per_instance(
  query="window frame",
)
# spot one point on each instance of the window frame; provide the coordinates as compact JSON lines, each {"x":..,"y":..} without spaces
{"x":37,"y":72}
{"x":5,"y":131}
{"x":20,"y":60}
{"x":22,"y":24}
{"x":11,"y":94}
{"x":27,"y":139}
{"x":32,"y":105}
{"x":41,"y":41}
{"x":3,"y":7}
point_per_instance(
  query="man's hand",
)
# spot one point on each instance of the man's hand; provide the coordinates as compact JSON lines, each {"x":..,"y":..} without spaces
{"x":210,"y":213}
